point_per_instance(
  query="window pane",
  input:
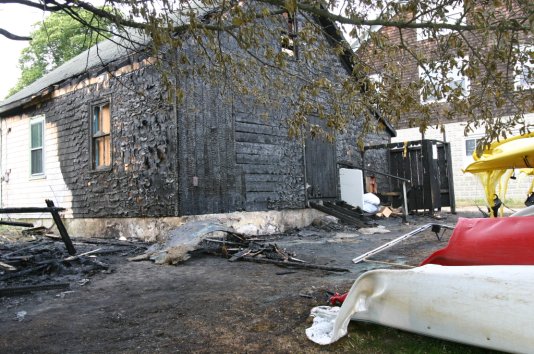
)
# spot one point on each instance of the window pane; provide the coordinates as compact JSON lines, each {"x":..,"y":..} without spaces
{"x":96,"y":153}
{"x":107,"y":150}
{"x":470,"y":146}
{"x":102,"y":151}
{"x":96,"y":123}
{"x":37,"y":135}
{"x":105,"y":119}
{"x":37,"y":161}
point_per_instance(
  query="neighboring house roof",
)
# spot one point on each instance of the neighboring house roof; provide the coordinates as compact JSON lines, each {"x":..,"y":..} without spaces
{"x":96,"y":59}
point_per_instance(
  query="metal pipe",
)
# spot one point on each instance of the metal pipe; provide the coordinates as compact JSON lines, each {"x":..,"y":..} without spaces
{"x":395,"y":241}
{"x":405,"y":199}
{"x":351,"y":165}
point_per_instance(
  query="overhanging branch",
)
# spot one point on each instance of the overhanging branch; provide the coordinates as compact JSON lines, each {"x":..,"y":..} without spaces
{"x":13,"y":37}
{"x":321,"y":12}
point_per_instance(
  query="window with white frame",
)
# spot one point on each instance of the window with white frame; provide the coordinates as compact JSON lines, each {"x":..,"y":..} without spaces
{"x":524,"y":75}
{"x":376,"y":79}
{"x":470,"y":146}
{"x":436,"y":12}
{"x":441,"y":79}
{"x":37,"y":146}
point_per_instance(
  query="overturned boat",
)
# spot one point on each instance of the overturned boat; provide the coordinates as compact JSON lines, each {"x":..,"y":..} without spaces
{"x":495,"y":241}
{"x":486,"y":306}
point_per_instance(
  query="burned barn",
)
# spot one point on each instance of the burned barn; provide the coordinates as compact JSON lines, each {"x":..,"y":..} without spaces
{"x":100,"y":137}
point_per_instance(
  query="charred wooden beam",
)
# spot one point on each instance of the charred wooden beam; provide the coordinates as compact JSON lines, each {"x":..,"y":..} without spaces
{"x":339,"y":215}
{"x":61,"y":228}
{"x":345,"y":210}
{"x":293,"y":264}
{"x":16,"y":223}
{"x":27,"y":210}
{"x":19,"y":290}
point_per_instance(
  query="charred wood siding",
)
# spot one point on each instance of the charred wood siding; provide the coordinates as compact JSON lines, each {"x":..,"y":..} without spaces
{"x":216,"y":151}
{"x":141,"y":180}
{"x":210,"y":181}
{"x":271,"y":162}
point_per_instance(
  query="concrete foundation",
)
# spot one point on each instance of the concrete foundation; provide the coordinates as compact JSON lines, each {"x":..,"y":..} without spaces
{"x":155,"y":229}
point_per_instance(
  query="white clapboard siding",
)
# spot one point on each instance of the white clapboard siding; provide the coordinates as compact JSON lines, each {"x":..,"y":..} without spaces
{"x":19,"y":188}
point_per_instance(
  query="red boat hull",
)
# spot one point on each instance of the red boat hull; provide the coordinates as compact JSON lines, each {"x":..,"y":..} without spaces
{"x":494,"y":241}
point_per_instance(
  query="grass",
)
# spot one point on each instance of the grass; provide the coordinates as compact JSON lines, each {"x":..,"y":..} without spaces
{"x":370,"y":338}
{"x":511,"y":203}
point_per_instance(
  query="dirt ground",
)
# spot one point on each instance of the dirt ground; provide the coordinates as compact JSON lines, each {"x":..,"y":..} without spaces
{"x":211,"y":305}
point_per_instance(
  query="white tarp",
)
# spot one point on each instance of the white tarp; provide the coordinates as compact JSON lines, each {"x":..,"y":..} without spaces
{"x":487,"y":306}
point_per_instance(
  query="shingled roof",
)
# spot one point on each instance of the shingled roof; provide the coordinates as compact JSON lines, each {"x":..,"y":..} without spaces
{"x":94,"y":59}
{"x":98,"y":56}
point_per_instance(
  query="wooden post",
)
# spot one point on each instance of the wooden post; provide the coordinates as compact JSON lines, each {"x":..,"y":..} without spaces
{"x":61,"y":228}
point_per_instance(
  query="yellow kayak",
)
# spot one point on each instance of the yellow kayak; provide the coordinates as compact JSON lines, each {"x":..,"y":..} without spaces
{"x":513,"y":153}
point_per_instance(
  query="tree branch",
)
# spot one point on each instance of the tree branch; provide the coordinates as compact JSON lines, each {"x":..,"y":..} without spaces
{"x":324,"y":13}
{"x":37,"y":5}
{"x":12,"y":36}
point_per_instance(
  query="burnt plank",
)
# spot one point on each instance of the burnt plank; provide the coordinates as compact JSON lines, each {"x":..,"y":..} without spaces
{"x":16,"y":223}
{"x":61,"y":228}
{"x":263,"y":186}
{"x":250,"y":137}
{"x":20,"y":290}
{"x":29,"y":210}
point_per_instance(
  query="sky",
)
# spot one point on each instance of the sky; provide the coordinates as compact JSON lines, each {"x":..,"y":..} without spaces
{"x":18,"y":20}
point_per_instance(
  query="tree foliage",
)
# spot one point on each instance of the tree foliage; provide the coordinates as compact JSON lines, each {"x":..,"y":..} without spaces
{"x":55,"y":40}
{"x":487,"y":41}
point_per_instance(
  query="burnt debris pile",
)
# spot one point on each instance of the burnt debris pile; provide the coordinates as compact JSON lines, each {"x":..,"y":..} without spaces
{"x":34,"y":260}
{"x":201,"y":237}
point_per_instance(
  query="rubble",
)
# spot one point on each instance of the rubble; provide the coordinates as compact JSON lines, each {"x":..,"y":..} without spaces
{"x":213,"y":238}
{"x":33,"y":260}
{"x":373,"y":230}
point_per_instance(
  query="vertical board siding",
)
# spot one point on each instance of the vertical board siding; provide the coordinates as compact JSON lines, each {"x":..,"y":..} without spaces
{"x":210,"y":180}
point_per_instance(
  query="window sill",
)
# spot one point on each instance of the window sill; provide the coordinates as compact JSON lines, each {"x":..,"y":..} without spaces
{"x":37,"y":177}
{"x":101,"y":169}
{"x":520,"y":89}
{"x":441,"y":101}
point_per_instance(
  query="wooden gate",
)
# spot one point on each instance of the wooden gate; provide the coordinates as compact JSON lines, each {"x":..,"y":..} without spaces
{"x":427,"y":164}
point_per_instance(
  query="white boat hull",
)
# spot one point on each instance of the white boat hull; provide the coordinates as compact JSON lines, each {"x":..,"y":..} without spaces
{"x":486,"y":306}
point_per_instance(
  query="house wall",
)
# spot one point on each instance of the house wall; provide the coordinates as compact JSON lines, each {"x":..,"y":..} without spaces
{"x":235,"y":149}
{"x":141,"y":181}
{"x":18,"y":187}
{"x":215,"y":151}
{"x":466,"y":185}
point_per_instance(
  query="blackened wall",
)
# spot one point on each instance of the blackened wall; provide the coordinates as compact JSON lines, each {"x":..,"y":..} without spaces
{"x":141,"y":181}
{"x":374,"y":159}
{"x":214,"y":151}
{"x":209,"y":179}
